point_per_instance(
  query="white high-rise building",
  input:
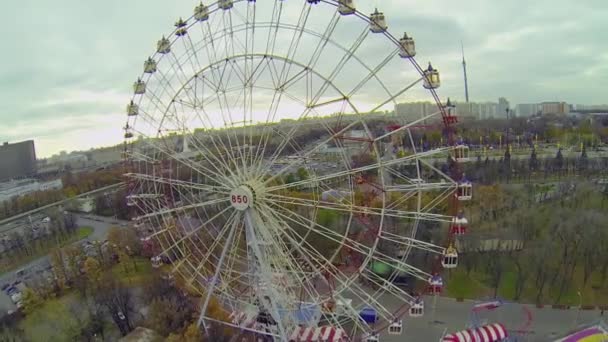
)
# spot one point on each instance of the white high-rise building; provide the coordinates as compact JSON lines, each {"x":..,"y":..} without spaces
{"x":527,"y":109}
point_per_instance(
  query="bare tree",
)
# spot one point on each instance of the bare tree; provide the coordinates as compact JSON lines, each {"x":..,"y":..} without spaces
{"x":118,"y":300}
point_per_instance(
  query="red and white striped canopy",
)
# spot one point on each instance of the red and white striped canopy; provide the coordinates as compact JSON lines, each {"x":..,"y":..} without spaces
{"x":486,"y":333}
{"x":318,"y":334}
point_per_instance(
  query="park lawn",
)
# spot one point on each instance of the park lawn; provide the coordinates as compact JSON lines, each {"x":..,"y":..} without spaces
{"x":461,"y":285}
{"x":81,"y":233}
{"x":131,"y":274}
{"x":53,"y":321}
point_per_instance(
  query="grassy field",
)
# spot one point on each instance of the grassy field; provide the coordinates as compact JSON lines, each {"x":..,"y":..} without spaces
{"x":134,"y":272}
{"x":474,"y":286}
{"x":55,"y":320}
{"x":11,"y":264}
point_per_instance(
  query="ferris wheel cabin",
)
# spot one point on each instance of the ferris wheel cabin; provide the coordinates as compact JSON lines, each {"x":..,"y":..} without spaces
{"x":378,"y":22}
{"x":431,"y":78}
{"x":132,"y":109}
{"x":435,"y":284}
{"x":459,"y":225}
{"x":139,"y":87}
{"x":461,"y":153}
{"x":225,"y":4}
{"x":181,"y":28}
{"x":396,"y":328}
{"x":156,"y":262}
{"x":450,"y":258}
{"x":346,"y":7}
{"x":201,"y":12}
{"x":163,"y":46}
{"x":417,"y":308}
{"x":408,"y":46}
{"x":150,"y":66}
{"x":371,"y":337}
{"x":464,"y":191}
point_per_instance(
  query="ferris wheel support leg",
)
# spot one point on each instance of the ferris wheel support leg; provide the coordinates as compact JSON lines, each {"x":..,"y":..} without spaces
{"x":201,"y":319}
{"x":249,"y":224}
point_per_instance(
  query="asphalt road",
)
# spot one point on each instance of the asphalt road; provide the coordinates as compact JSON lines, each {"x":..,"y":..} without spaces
{"x":100,"y":225}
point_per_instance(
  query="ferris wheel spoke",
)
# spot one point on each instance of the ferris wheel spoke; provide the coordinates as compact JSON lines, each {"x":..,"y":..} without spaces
{"x":408,"y":242}
{"x":348,"y":208}
{"x":296,"y":38}
{"x":210,"y":157}
{"x":162,"y":212}
{"x":311,"y":253}
{"x":351,"y":243}
{"x":176,"y":243}
{"x":215,"y":277}
{"x":346,"y":281}
{"x":307,"y":154}
{"x":373,"y":73}
{"x":275,"y":20}
{"x":409,"y":125}
{"x":351,"y":172}
{"x":176,"y":183}
{"x":230,"y":225}
{"x":329,"y":30}
{"x":215,"y":176}
{"x":295,"y":268}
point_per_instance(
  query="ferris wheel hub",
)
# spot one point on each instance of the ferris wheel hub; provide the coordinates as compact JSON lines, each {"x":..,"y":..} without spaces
{"x":244,"y":196}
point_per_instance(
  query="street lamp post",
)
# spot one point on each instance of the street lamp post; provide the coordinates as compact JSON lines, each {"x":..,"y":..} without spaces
{"x":578,"y":311}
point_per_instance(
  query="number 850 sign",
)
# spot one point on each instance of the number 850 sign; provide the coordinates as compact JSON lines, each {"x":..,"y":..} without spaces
{"x":241,"y":197}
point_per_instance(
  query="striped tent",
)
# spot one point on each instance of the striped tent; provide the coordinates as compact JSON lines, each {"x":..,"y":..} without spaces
{"x":486,"y":333}
{"x":318,"y":334}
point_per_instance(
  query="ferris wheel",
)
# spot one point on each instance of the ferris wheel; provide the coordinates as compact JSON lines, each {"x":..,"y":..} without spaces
{"x":264,"y":171}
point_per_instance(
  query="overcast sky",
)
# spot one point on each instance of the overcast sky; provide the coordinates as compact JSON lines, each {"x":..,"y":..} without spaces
{"x":67,"y":66}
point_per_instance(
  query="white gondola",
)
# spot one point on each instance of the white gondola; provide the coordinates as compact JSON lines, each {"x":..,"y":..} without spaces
{"x":201,"y":12}
{"x":156,"y":262}
{"x":459,"y":225}
{"x":371,"y":337}
{"x":181,"y":27}
{"x":431,"y":78}
{"x":130,"y":201}
{"x":346,"y":7}
{"x":450,"y":258}
{"x":461,"y":153}
{"x":417,"y":308}
{"x":378,"y":22}
{"x":150,"y":66}
{"x":163,"y":46}
{"x":465,"y":191}
{"x":225,"y":4}
{"x":408,"y":46}
{"x":128,"y":133}
{"x":139,"y":87}
{"x":435,"y":284}
{"x":132,"y":109}
{"x":396,"y":328}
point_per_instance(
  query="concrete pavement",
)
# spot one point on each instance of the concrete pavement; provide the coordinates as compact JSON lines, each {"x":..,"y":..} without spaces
{"x":451,"y":316}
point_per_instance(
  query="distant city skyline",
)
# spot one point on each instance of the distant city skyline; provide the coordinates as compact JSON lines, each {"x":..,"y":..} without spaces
{"x":66,"y":85}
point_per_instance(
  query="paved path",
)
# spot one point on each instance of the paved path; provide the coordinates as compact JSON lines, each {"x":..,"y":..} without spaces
{"x":451,"y":316}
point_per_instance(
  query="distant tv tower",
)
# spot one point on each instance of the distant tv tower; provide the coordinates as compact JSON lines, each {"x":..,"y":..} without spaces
{"x":464,"y":69}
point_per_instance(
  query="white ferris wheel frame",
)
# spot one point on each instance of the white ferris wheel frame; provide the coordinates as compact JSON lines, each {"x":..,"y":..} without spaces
{"x":153,"y":207}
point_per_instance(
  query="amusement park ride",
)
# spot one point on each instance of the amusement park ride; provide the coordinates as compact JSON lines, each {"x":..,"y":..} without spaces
{"x":222,"y":216}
